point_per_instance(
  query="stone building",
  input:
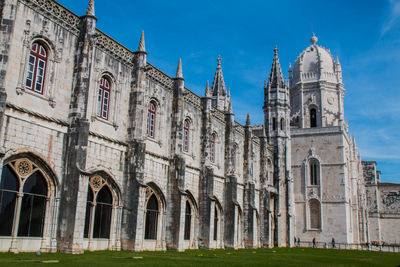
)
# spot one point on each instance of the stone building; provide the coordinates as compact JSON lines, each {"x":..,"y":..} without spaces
{"x":102,"y":150}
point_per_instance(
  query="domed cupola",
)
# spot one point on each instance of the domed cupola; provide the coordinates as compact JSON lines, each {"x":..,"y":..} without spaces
{"x":315,"y":64}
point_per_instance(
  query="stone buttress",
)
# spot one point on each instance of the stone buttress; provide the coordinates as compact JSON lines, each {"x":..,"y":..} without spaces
{"x":74,"y":187}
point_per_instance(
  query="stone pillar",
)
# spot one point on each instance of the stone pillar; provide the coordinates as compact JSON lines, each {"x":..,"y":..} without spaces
{"x":176,"y":204}
{"x":132,"y":228}
{"x":230,"y":212}
{"x":206,"y":193}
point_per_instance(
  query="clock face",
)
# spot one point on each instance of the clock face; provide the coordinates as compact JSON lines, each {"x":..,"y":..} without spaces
{"x":330,"y":100}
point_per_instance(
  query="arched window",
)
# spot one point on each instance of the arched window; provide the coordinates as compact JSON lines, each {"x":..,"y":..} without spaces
{"x":36,"y":68}
{"x":282,"y":122}
{"x":89,"y":205}
{"x":314,"y":172}
{"x":186,"y":129}
{"x":315,"y":214}
{"x":212,"y":148}
{"x":151,"y":218}
{"x":99,"y":208}
{"x":33,"y":206}
{"x":216,"y":219}
{"x":103,"y":98}
{"x":151,"y":119}
{"x":273,"y":124}
{"x":9,"y":186}
{"x":103,"y":211}
{"x":188,"y":221}
{"x":22,"y":175}
{"x":313,"y":117}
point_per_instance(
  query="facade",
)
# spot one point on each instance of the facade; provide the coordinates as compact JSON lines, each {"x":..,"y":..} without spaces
{"x":101,"y":150}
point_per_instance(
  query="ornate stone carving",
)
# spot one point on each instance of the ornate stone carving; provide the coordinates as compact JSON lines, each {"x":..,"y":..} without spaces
{"x":158,"y":76}
{"x":114,"y":47}
{"x":97,"y":183}
{"x":23,"y":167}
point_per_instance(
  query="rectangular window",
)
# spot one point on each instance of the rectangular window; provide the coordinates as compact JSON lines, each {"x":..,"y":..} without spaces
{"x":99,"y":97}
{"x":186,"y":140}
{"x":31,"y":66}
{"x":40,"y":76}
{"x":105,"y":104}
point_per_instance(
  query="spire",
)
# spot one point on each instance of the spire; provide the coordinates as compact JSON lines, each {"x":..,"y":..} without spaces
{"x":179,"y":70}
{"x":90,"y":9}
{"x":337,"y":60}
{"x":218,"y":87}
{"x":276,"y":78}
{"x":142,"y":47}
{"x":207,"y":89}
{"x":248,"y":119}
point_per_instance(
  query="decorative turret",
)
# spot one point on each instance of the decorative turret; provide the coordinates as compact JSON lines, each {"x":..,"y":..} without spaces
{"x":90,"y":10}
{"x":141,"y":54}
{"x":276,"y":102}
{"x":142,"y":47}
{"x":179,"y":74}
{"x":218,"y":90}
{"x":207,"y":94}
{"x":276,"y":78}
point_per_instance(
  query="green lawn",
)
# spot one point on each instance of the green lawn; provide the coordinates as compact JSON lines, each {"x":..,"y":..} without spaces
{"x":250,"y":257}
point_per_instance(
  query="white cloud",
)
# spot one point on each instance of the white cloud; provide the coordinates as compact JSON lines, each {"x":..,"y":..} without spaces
{"x":393,"y":18}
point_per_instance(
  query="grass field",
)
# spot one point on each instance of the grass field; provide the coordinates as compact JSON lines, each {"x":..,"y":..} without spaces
{"x":249,"y":257}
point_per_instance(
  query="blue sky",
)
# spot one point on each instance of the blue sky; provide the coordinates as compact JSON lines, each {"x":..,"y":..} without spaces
{"x":365,"y":35}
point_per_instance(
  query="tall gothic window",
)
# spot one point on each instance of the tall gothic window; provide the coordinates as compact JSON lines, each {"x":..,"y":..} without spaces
{"x":188,"y":221}
{"x":151,"y":119}
{"x":151,"y":218}
{"x":99,"y":208}
{"x":9,"y":186}
{"x":273,"y":124}
{"x":314,"y":171}
{"x":89,"y":205}
{"x":33,"y":206}
{"x":23,"y":176}
{"x":102,"y":217}
{"x":282,"y":122}
{"x":186,"y":128}
{"x":36,"y":68}
{"x":313,"y":118}
{"x":315,"y":214}
{"x":212,"y":148}
{"x":216,"y":219}
{"x":103,"y":98}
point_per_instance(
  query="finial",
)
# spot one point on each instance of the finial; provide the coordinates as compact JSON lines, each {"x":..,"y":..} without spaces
{"x":248,"y":119}
{"x":142,"y":47}
{"x":276,"y":50}
{"x":179,"y":70}
{"x":219,"y":61}
{"x":207,"y":89}
{"x":290,"y":67}
{"x":230,"y":106}
{"x":314,"y":39}
{"x":265,"y":83}
{"x":90,"y":9}
{"x":229,"y":92}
